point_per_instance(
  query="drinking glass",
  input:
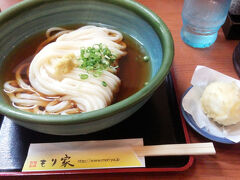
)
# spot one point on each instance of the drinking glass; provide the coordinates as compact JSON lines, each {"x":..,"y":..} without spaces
{"x":202,"y":20}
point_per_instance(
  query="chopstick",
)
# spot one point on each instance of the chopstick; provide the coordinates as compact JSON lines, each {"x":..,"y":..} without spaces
{"x":176,"y":149}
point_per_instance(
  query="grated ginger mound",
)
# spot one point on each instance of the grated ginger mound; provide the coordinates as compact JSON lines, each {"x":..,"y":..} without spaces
{"x":221,"y":102}
{"x":65,"y":64}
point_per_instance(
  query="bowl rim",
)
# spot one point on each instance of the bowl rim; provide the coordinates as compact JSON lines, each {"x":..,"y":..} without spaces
{"x":168,"y":52}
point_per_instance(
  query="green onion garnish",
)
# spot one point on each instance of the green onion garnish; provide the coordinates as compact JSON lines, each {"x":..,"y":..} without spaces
{"x":146,"y":58}
{"x":96,"y":59}
{"x":104,"y":83}
{"x":83,"y":76}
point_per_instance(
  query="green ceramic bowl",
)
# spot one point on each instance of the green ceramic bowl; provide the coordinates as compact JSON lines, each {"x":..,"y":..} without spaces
{"x":33,"y":16}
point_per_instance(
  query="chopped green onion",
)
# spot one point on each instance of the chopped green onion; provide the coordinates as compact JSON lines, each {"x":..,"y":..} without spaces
{"x":96,"y":59}
{"x":104,"y":83}
{"x":83,"y":76}
{"x":146,"y":58}
{"x":146,"y":83}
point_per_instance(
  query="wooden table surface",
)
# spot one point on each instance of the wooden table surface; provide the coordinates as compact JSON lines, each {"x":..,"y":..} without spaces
{"x":226,"y":163}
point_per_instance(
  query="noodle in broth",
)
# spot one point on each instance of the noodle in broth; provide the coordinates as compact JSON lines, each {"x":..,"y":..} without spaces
{"x":66,"y":93}
{"x":40,"y":89}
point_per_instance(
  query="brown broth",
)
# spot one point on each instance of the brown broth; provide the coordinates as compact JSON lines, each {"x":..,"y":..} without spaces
{"x":133,"y":70}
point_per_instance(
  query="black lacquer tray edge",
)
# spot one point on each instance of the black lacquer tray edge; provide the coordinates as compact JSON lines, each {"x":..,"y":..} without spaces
{"x":171,"y":79}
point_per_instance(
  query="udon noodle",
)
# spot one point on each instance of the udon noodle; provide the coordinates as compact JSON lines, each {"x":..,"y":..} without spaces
{"x":54,"y":84}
